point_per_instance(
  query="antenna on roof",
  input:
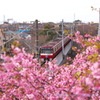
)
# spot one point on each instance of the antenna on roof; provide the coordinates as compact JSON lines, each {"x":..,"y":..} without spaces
{"x":3,"y":18}
{"x":9,"y":20}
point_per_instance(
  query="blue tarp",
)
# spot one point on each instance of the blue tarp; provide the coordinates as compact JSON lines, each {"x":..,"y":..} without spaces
{"x":23,"y":30}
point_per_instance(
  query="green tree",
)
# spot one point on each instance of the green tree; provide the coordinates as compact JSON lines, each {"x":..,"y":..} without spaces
{"x":49,"y":31}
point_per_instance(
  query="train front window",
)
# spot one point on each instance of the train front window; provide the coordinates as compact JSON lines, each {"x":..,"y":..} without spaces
{"x":47,"y":50}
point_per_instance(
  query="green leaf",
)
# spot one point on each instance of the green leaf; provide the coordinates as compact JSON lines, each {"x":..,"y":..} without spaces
{"x":19,"y":68}
{"x":93,"y":55}
{"x":88,"y":44}
{"x":79,"y":78}
{"x":77,"y":73}
{"x":88,"y":71}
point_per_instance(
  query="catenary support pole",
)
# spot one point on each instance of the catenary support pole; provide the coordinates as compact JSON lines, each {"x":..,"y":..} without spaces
{"x":62,"y":38}
{"x":37,"y":45}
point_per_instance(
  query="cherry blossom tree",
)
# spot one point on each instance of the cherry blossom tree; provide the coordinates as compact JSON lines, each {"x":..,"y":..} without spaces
{"x":22,"y":77}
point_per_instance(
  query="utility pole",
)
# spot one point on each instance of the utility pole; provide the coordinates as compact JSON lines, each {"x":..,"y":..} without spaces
{"x":37,"y":48}
{"x":73,"y":25}
{"x":32,"y":42}
{"x":99,"y":18}
{"x":99,"y":24}
{"x":3,"y":18}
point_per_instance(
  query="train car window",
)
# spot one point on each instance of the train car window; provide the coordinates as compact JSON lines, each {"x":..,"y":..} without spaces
{"x":46,"y":50}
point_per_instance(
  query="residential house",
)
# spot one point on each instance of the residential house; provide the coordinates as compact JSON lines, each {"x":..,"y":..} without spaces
{"x":9,"y":37}
{"x":1,"y":42}
{"x":22,"y":37}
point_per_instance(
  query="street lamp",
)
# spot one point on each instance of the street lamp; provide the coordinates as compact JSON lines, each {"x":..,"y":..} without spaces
{"x":99,"y":18}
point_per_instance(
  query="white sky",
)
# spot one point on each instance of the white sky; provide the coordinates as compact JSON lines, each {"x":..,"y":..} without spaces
{"x":49,"y":10}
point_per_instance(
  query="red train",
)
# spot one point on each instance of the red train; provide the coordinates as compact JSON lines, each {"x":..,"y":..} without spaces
{"x":50,"y":50}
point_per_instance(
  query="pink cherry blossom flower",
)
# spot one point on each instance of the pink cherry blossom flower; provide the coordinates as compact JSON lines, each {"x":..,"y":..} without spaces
{"x":89,"y":81}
